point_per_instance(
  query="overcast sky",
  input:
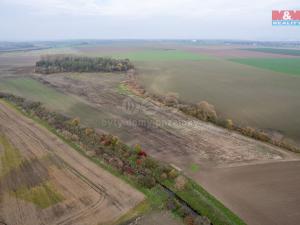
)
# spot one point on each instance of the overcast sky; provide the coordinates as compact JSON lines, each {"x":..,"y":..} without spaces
{"x":143,"y":19}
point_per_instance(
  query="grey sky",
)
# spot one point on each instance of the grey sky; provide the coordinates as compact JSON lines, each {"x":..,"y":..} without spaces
{"x":116,"y":19}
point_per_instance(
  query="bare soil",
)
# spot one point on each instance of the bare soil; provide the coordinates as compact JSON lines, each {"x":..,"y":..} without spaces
{"x":262,"y":194}
{"x":91,"y":195}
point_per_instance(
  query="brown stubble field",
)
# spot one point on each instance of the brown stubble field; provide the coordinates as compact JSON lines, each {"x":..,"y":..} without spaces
{"x":260,"y":193}
{"x":88,"y":194}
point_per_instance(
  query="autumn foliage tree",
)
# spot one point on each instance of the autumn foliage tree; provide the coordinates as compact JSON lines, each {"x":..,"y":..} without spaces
{"x":171,"y":99}
{"x":206,"y":111}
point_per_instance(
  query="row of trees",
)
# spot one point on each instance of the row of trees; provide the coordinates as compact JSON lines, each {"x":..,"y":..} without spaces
{"x":68,"y":63}
{"x":206,"y":112}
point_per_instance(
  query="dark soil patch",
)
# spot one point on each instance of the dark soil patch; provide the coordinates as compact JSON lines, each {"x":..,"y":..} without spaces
{"x":31,"y":173}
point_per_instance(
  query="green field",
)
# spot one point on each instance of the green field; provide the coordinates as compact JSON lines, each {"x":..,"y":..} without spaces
{"x":53,"y":99}
{"x":293,"y":52}
{"x":36,"y":91}
{"x":161,"y":55}
{"x":283,"y":65}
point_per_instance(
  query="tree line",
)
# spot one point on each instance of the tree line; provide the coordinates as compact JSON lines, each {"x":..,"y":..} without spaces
{"x":68,"y":63}
{"x":206,"y":112}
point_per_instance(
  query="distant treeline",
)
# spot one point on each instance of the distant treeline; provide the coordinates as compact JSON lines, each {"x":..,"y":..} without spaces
{"x":67,"y":63}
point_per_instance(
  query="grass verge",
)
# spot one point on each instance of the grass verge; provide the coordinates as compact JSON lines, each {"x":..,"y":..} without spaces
{"x":204,"y":203}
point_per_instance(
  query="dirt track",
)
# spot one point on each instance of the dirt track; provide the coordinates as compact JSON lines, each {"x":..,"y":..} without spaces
{"x":91,"y":195}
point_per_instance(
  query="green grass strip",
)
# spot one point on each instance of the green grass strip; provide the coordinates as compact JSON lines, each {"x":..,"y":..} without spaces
{"x":281,"y":51}
{"x":282,"y":65}
{"x":162,"y":55}
{"x":205,"y":204}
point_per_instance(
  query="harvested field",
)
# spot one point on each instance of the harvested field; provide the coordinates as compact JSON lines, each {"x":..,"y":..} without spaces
{"x":47,"y":182}
{"x":25,"y":58}
{"x":260,"y":194}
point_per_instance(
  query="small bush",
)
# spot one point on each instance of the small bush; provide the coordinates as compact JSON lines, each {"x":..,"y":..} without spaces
{"x":206,"y":111}
{"x":180,"y":183}
{"x":229,"y":124}
{"x":183,"y":211}
{"x":146,"y":181}
{"x":75,"y":121}
{"x":150,"y":163}
{"x":137,"y":148}
{"x":201,"y":220}
{"x":163,"y":176}
{"x":188,"y":220}
{"x":171,"y":99}
{"x":89,"y":131}
{"x":171,"y":204}
{"x":173,"y":174}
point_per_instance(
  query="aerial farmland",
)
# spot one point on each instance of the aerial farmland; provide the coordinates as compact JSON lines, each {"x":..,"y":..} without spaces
{"x":100,"y":100}
{"x":161,"y":112}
